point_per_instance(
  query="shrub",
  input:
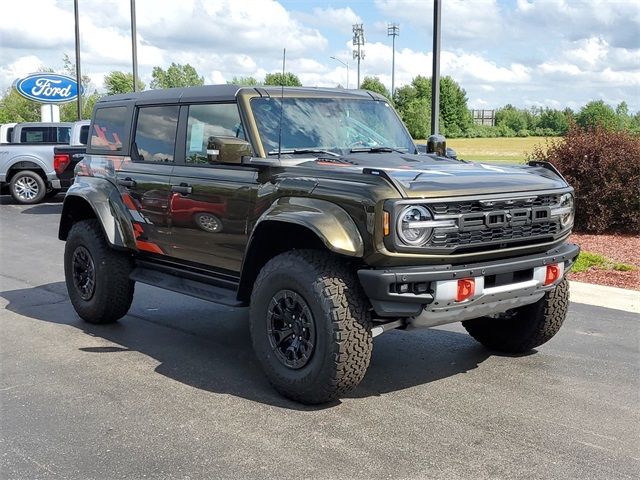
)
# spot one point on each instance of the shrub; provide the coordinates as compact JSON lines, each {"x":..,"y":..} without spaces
{"x":523,"y":133}
{"x":604,"y":168}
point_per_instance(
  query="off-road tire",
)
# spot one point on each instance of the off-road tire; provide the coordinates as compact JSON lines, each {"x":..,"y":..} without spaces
{"x":32,"y":179}
{"x":529,"y":327}
{"x":342,"y":322}
{"x":113,"y":291}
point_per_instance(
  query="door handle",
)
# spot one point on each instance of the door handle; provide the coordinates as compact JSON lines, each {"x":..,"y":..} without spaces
{"x":127,"y":182}
{"x":183,"y":188}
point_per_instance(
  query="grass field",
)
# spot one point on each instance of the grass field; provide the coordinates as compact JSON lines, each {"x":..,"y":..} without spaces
{"x":512,"y":150}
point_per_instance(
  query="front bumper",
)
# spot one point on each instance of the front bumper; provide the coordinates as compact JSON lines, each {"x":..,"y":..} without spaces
{"x":430,"y":300}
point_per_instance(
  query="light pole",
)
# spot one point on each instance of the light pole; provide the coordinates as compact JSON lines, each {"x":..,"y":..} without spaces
{"x":134,"y":45}
{"x":78,"y":70}
{"x":346,"y":65}
{"x":393,"y":30}
{"x":358,"y":41}
{"x":435,"y":79}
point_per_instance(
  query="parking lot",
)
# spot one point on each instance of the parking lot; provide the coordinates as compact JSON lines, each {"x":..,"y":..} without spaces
{"x":174,"y":391}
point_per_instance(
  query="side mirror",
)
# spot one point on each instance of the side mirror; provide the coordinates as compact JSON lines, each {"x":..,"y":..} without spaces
{"x":227,"y":149}
{"x":451,"y":153}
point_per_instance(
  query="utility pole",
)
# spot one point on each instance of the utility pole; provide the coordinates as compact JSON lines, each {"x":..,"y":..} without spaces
{"x":435,"y":78}
{"x":346,"y":65}
{"x":393,"y":30}
{"x":134,"y":45}
{"x":358,"y":41}
{"x":78,"y":70}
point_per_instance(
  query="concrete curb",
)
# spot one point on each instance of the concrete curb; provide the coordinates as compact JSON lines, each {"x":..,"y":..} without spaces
{"x":608,"y":297}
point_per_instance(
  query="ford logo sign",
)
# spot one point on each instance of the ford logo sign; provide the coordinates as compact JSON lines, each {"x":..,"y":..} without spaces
{"x":47,"y":88}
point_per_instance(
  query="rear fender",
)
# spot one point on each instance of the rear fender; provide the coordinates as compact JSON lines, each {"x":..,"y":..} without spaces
{"x":105,"y":201}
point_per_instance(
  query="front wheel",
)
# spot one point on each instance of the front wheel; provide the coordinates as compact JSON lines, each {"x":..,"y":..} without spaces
{"x":27,"y":187}
{"x":526,"y":327}
{"x":310,"y":326}
{"x":97,"y":276}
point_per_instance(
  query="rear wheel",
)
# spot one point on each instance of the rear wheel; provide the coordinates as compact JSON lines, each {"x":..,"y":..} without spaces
{"x":97,"y":276}
{"x":208,"y":222}
{"x":310,"y":326}
{"x":526,"y":327}
{"x":27,"y":187}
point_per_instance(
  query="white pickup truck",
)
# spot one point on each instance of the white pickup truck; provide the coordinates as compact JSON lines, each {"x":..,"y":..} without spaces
{"x":28,"y":165}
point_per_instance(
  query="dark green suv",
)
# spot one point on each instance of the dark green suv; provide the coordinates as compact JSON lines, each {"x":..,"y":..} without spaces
{"x":313,"y":208}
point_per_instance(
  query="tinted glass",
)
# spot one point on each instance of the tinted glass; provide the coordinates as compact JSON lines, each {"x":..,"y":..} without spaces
{"x":9,"y":134}
{"x":63,"y":134}
{"x":155,"y":137}
{"x":84,"y":134}
{"x":36,"y":134}
{"x":108,"y":129}
{"x":329,"y":124}
{"x":219,"y":120}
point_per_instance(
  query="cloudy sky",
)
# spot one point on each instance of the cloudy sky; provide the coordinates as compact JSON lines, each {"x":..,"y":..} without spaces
{"x":526,"y":52}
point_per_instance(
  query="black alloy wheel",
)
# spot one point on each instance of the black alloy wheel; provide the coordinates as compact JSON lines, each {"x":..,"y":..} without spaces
{"x":84,"y":272}
{"x":291,"y":329}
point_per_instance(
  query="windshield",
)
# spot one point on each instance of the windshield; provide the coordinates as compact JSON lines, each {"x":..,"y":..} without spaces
{"x":329,"y":124}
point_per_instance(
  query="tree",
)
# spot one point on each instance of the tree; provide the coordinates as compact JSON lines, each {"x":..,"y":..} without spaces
{"x":246,"y":81}
{"x":288,"y":79}
{"x":374,"y":84}
{"x":597,"y":113}
{"x":15,"y":108}
{"x":121,"y":82}
{"x":555,"y":120}
{"x":176,"y":76}
{"x":624,"y":119}
{"x":454,"y":111}
{"x":512,"y":118}
{"x":417,"y":117}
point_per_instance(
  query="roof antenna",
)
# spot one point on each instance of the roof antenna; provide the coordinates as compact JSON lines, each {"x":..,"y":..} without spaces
{"x":284,"y":57}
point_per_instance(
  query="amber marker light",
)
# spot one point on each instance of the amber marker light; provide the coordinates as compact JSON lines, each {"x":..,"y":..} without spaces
{"x":385,"y":223}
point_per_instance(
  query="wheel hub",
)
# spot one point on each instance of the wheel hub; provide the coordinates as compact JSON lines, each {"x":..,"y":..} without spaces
{"x":26,"y":188}
{"x":84,"y":272}
{"x":291,"y":329}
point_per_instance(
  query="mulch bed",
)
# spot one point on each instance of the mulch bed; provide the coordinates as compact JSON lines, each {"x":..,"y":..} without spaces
{"x":619,"y":248}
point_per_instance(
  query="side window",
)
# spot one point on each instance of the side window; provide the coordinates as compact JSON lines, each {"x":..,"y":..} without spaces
{"x":9,"y":134}
{"x":108,"y":128}
{"x":212,"y":120}
{"x":84,"y":134}
{"x":155,"y":137}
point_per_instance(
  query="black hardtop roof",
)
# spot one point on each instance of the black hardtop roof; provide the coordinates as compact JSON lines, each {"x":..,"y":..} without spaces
{"x":222,"y":93}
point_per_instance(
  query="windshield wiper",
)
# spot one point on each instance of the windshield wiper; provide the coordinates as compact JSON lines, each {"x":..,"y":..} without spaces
{"x":303,"y":150}
{"x":377,"y":150}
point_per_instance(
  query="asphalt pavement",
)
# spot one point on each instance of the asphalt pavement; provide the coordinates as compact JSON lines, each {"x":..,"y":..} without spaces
{"x":174,"y":391}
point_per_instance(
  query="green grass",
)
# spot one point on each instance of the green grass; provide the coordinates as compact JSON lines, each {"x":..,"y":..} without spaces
{"x":587,"y":260}
{"x":501,"y":149}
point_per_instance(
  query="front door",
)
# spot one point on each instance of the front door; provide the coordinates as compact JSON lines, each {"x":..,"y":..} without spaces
{"x":210,"y":202}
{"x":145,"y":181}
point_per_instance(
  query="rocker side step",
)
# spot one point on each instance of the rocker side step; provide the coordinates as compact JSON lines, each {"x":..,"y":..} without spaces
{"x":187,"y":286}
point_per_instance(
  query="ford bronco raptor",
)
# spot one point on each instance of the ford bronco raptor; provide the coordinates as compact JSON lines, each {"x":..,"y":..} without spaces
{"x":313,"y":208}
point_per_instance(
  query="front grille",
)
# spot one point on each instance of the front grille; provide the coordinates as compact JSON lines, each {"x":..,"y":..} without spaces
{"x":479,"y":206}
{"x":494,"y":235}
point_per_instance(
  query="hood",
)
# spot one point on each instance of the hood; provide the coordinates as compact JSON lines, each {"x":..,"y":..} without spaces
{"x":427,"y":176}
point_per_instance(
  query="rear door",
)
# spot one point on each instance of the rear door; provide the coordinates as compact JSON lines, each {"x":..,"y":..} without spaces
{"x":210,"y":202}
{"x":145,"y":181}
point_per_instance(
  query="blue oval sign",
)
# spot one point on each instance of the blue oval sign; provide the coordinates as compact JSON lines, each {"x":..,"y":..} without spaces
{"x":47,"y":88}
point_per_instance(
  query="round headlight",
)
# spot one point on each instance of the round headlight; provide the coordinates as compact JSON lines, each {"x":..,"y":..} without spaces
{"x":408,"y":231}
{"x":566,"y":204}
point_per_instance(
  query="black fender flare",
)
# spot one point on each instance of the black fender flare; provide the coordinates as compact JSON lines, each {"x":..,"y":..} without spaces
{"x":105,"y":202}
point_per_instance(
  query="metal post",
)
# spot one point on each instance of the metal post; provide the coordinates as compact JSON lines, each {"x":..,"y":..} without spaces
{"x":393,"y":30}
{"x":358,"y":41}
{"x":435,"y":78}
{"x":78,"y":71}
{"x":346,"y":65}
{"x":134,"y":45}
